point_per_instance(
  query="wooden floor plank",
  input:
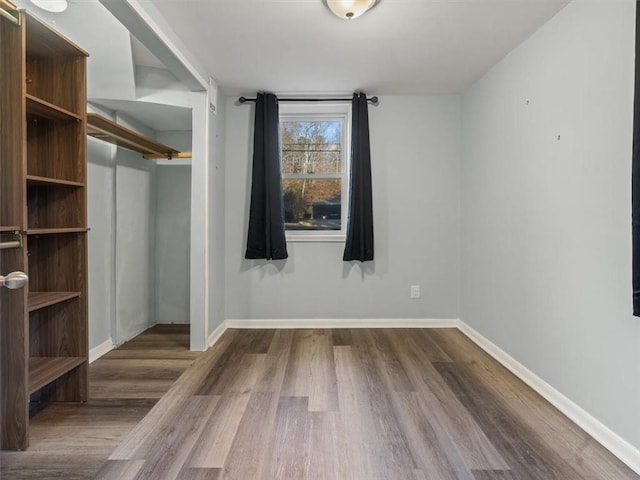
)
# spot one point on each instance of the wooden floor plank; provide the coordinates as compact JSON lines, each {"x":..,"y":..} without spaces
{"x":525,"y":452}
{"x":228,"y":365}
{"x":447,"y":414}
{"x":360,"y":404}
{"x":341,"y":337}
{"x":120,"y":470}
{"x":290,"y":452}
{"x":250,"y":455}
{"x":275,"y":363}
{"x":358,"y":462}
{"x":172,"y":447}
{"x":327,"y":447}
{"x":311,"y":372}
{"x":212,"y":448}
{"x":435,"y":455}
{"x":494,"y":475}
{"x":200,"y":474}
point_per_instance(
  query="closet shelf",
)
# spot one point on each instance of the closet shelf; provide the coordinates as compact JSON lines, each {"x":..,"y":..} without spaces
{"x":112,"y":132}
{"x":44,"y":370}
{"x":41,"y":108}
{"x":46,"y":231}
{"x":38,"y":300}
{"x":9,"y":228}
{"x":44,"y":41}
{"x":35,"y":180}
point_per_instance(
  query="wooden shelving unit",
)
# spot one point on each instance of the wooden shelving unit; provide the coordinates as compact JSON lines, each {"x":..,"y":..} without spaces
{"x":43,"y":336}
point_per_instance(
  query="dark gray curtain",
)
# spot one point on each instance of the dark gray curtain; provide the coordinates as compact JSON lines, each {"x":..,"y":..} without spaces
{"x":359,"y":245}
{"x":635,"y":194}
{"x":266,"y":237}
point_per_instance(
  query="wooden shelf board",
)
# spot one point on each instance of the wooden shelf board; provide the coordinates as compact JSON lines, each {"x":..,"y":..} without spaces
{"x":9,"y":228}
{"x":41,"y":108}
{"x":44,"y":370}
{"x":42,"y":40}
{"x":46,"y":181}
{"x":38,"y":300}
{"x":112,"y":132}
{"x":47,"y":231}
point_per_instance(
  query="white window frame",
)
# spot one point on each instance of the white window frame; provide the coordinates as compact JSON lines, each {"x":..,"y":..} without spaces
{"x":326,"y":112}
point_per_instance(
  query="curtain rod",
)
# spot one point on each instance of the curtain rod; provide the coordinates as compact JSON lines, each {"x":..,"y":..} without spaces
{"x":373,"y":100}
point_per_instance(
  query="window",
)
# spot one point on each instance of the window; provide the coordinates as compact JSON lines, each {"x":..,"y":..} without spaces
{"x":315,"y":151}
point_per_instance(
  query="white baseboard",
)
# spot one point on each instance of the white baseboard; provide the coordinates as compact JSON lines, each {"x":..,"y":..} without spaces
{"x":216,"y":334}
{"x":344,"y":323}
{"x":618,"y":446}
{"x":100,"y":350}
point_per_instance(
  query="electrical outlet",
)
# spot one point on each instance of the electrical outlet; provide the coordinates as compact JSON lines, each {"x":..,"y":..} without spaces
{"x":415,"y":291}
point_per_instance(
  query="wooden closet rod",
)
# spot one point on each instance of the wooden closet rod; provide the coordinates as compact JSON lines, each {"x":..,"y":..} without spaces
{"x":5,"y":10}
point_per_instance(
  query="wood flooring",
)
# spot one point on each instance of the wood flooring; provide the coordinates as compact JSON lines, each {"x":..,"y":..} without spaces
{"x":73,"y":441}
{"x":354,"y":404}
{"x":307,"y":404}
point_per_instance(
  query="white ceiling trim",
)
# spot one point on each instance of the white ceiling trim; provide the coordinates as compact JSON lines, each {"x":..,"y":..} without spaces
{"x":155,"y":34}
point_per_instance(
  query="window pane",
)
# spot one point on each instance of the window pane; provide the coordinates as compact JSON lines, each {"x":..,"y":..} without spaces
{"x":312,"y":204}
{"x":312,"y":146}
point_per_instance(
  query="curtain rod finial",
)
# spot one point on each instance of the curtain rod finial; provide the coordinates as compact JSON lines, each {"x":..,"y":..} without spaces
{"x":374,"y":100}
{"x":242,"y":99}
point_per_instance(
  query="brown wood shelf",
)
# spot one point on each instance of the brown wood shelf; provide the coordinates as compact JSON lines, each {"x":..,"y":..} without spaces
{"x":38,"y":300}
{"x":112,"y":132}
{"x":50,"y":231}
{"x":42,"y":40}
{"x":44,"y":370}
{"x":41,"y":108}
{"x":9,"y":228}
{"x":35,"y":180}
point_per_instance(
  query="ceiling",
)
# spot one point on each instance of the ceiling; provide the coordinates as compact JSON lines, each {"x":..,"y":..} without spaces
{"x":400,"y":47}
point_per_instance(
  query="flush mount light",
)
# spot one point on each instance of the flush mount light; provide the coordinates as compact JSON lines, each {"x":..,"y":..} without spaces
{"x":55,"y":6}
{"x":348,"y":9}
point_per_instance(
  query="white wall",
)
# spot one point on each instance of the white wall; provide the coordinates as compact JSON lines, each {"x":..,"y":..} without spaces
{"x":216,"y":245}
{"x":415,"y":144}
{"x":101,"y":221}
{"x":546,"y":209}
{"x":135,"y":245}
{"x":172,"y":242}
{"x":172,"y":233}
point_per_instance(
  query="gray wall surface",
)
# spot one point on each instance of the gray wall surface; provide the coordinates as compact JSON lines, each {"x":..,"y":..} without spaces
{"x":135,"y":245}
{"x":415,"y":144}
{"x":101,"y":221}
{"x":216,"y":247}
{"x":546,"y":209}
{"x":172,"y":241}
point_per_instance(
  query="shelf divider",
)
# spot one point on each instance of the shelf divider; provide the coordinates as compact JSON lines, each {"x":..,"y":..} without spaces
{"x":41,"y":108}
{"x":35,"y":180}
{"x":38,"y":300}
{"x":50,"y":231}
{"x":44,"y":370}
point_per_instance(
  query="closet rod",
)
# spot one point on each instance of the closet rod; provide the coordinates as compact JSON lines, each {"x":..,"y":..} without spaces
{"x":12,"y":244}
{"x":9,"y":17}
{"x":15,"y":242}
{"x":373,"y":100}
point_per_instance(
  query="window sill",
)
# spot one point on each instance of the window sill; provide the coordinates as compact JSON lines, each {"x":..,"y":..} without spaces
{"x":316,"y":238}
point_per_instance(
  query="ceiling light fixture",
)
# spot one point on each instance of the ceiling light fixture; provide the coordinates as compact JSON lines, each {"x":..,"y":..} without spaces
{"x":55,"y":6}
{"x":348,"y":9}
